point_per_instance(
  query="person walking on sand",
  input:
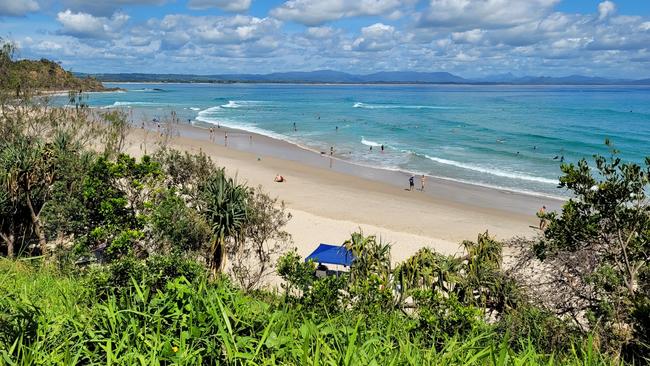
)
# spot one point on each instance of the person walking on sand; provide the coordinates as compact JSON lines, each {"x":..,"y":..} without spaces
{"x":542,"y":219}
{"x":411,"y":183}
{"x":422,"y":182}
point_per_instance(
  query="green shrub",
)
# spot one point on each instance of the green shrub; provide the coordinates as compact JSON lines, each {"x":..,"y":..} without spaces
{"x":542,"y":328}
{"x":440,"y":317}
{"x":154,"y":273}
{"x":180,"y":227}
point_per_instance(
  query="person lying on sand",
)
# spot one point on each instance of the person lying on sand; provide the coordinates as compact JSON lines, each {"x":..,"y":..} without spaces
{"x":279,"y":179}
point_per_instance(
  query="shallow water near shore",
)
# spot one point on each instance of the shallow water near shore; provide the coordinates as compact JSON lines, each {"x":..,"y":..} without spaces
{"x":510,"y":137}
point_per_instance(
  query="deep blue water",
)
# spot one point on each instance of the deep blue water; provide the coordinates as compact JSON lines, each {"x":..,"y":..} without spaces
{"x":504,"y":136}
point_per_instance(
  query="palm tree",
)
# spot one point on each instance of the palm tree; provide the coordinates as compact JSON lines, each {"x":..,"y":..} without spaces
{"x":369,"y":256}
{"x":482,"y":264}
{"x":226,"y":208}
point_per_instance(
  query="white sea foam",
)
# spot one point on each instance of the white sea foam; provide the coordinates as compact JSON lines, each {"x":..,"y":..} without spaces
{"x":243,"y":103}
{"x":195,"y":108}
{"x":209,"y":111}
{"x":131,"y":104}
{"x":207,"y":116}
{"x":491,"y":171}
{"x":397,"y":106}
{"x":369,"y":142}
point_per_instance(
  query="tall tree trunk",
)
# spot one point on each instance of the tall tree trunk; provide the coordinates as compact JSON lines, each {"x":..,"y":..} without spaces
{"x":38,"y":228}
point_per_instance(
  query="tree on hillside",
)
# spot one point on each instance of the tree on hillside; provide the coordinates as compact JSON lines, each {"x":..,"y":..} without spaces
{"x":596,"y":251}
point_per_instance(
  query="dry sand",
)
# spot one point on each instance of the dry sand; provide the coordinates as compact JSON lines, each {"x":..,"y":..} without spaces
{"x":330,"y":198}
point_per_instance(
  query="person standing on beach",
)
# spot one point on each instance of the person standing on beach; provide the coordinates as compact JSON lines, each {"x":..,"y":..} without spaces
{"x":211,"y":133}
{"x":542,"y":219}
{"x":411,"y":183}
{"x":422,"y":182}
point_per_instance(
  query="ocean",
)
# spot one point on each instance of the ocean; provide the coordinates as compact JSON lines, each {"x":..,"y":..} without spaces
{"x":508,"y":137}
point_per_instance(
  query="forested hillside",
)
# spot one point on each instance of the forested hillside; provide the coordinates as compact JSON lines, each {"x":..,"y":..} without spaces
{"x":42,"y":75}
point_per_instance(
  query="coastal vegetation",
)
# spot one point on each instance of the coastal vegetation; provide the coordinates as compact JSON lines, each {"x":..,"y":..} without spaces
{"x":163,"y":259}
{"x":18,"y":76}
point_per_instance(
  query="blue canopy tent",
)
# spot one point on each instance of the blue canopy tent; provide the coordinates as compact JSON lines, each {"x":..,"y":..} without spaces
{"x":331,"y":254}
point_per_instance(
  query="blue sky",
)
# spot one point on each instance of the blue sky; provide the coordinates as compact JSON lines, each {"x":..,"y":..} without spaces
{"x":471,"y":38}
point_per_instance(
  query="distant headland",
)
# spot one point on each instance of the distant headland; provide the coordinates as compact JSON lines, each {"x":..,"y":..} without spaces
{"x":337,"y":77}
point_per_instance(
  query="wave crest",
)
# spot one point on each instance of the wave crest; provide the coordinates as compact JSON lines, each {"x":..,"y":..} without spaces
{"x":243,"y":103}
{"x":369,"y":142}
{"x":397,"y":106}
{"x":495,"y":172}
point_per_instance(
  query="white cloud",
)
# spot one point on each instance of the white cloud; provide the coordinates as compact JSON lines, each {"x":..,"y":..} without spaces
{"x":227,"y":5}
{"x":320,"y":32}
{"x":376,"y":37}
{"x":471,"y":36}
{"x":315,"y":12}
{"x":83,"y":25}
{"x":214,"y":30}
{"x":470,"y":14}
{"x":606,"y":9}
{"x":17,"y":7}
{"x":105,"y":7}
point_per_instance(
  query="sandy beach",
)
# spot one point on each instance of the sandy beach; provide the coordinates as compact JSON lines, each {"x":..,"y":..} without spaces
{"x":330,"y":198}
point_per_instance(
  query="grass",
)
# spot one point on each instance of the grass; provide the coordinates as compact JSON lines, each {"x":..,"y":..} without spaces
{"x":47,"y":318}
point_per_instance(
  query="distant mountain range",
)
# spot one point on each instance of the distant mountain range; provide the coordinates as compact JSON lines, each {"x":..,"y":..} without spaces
{"x":386,"y":77}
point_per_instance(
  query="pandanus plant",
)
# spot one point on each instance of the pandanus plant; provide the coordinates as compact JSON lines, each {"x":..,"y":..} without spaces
{"x":427,"y":270}
{"x":226,"y":208}
{"x":483,"y":279}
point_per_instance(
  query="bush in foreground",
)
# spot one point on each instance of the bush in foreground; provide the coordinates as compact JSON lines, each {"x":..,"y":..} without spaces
{"x":48,"y":318}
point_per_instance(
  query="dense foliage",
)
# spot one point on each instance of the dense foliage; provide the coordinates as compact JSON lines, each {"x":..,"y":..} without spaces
{"x":597,"y":253}
{"x":47,"y":318}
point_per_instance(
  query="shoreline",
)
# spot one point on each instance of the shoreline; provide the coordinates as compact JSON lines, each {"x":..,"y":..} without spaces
{"x":300,"y":153}
{"x":331,"y":198}
{"x":204,"y":124}
{"x":225,"y":82}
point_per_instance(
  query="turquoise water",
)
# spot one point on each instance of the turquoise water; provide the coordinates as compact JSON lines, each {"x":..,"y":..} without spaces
{"x":510,"y":137}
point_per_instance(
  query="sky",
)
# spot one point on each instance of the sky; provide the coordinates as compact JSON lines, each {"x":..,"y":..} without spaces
{"x":470,"y":38}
